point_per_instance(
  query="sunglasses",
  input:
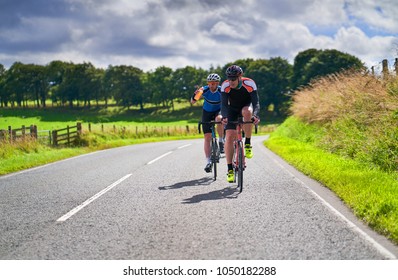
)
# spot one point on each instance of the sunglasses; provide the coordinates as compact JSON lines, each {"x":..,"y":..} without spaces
{"x":232,"y":79}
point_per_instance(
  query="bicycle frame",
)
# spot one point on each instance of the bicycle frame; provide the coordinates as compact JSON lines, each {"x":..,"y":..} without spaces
{"x":239,"y":159}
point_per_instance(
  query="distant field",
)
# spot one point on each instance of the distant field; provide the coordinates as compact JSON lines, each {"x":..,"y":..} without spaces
{"x":55,"y":118}
{"x":52,"y":118}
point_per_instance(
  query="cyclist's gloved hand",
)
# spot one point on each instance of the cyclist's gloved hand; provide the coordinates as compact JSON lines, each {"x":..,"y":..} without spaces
{"x":224,"y":121}
{"x":193,"y":101}
{"x":255,"y":119}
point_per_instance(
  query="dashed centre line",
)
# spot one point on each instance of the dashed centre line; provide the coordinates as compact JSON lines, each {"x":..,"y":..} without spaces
{"x":156,"y":159}
{"x":94,"y":197}
{"x":166,"y":154}
{"x":91,"y":199}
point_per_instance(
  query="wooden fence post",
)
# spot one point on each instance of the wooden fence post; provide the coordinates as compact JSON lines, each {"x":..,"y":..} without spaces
{"x":396,"y":66}
{"x":55,"y":139}
{"x":79,"y":128}
{"x":23,"y":132}
{"x":385,"y":68}
{"x":67,"y":135}
{"x":33,"y":131}
{"x":10,"y":133}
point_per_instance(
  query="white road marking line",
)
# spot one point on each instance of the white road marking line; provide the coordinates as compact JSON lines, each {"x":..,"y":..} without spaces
{"x":182,"y":147}
{"x":382,"y":250}
{"x":152,"y":161}
{"x":91,"y":199}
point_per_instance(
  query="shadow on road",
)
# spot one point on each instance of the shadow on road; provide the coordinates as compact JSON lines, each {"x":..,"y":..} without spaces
{"x":198,"y":182}
{"x":214,"y":195}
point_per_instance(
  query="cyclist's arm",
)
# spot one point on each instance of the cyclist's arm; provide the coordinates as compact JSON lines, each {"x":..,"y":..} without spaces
{"x":255,"y":103}
{"x":224,"y":104}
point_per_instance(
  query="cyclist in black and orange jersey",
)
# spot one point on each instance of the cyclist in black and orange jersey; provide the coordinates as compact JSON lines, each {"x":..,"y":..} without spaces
{"x":211,"y":111}
{"x":239,"y":98}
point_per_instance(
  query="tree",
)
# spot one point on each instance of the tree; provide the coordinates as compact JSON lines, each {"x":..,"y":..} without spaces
{"x":273,"y":81}
{"x":3,"y":97}
{"x":299,"y":67}
{"x":186,"y":81}
{"x":125,"y":84}
{"x":313,"y":63}
{"x":161,"y":84}
{"x":17,"y":84}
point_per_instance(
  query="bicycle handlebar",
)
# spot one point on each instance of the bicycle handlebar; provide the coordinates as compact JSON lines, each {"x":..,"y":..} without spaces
{"x":233,"y":122}
{"x":240,"y":121}
{"x":210,"y":122}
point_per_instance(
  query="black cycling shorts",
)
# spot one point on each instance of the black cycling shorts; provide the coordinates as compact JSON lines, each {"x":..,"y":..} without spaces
{"x":233,"y":114}
{"x":207,"y":117}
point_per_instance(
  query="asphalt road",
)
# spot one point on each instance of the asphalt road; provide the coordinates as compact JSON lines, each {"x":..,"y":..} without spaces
{"x":154,"y":201}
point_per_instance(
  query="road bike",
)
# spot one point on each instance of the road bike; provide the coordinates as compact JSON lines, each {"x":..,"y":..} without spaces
{"x":215,"y":150}
{"x":239,"y":159}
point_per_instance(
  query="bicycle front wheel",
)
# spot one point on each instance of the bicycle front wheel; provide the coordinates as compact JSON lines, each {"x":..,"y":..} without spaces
{"x":214,"y":157}
{"x":240,"y":166}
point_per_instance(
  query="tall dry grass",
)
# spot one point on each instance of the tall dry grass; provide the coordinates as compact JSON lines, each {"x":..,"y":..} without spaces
{"x":358,"y":114}
{"x":362,"y":97}
{"x":26,"y":145}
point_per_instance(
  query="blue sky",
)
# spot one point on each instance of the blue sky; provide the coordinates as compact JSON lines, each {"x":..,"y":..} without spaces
{"x":176,"y":33}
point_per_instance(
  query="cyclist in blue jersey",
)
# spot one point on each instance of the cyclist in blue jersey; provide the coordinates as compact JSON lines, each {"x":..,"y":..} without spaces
{"x":211,"y":111}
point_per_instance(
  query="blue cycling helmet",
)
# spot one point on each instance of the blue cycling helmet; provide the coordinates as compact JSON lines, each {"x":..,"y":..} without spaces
{"x":234,"y":71}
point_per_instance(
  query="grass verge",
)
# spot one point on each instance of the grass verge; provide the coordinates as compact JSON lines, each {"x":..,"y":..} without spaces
{"x":372,"y":194}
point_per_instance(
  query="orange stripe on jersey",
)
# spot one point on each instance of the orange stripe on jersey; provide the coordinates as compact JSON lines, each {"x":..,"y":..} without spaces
{"x":225,"y":86}
{"x":248,"y":87}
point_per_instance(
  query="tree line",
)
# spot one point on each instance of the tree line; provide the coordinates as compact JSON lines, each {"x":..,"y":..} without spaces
{"x":70,"y":84}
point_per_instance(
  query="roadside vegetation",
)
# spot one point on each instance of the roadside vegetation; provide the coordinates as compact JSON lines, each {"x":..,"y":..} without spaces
{"x":343,"y":132}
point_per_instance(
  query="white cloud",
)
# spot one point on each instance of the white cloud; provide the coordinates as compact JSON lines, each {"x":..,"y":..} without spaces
{"x":177,"y":33}
{"x":378,"y":15}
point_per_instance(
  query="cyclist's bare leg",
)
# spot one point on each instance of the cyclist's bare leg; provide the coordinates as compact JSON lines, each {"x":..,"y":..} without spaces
{"x":220,"y":128}
{"x":230,"y":135}
{"x":247,"y":113}
{"x":207,"y":146}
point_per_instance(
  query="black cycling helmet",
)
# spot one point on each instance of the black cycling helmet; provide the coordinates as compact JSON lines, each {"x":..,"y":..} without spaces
{"x":234,"y":71}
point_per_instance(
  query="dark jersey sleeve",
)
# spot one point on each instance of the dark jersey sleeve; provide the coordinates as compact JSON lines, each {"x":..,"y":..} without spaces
{"x":224,"y":104}
{"x":255,"y":102}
